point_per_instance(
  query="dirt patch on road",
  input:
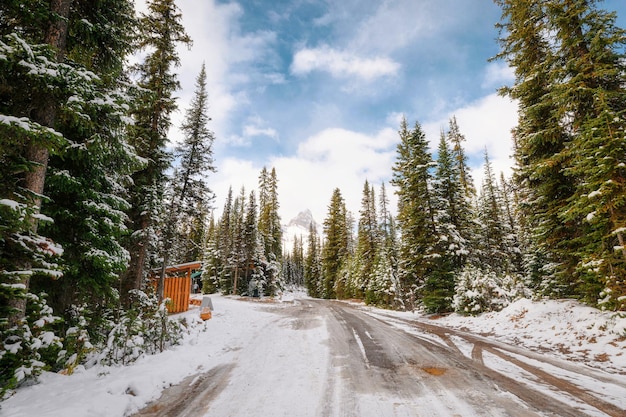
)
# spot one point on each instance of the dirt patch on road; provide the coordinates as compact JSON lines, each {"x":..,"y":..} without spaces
{"x":190,"y":398}
{"x":435,"y":371}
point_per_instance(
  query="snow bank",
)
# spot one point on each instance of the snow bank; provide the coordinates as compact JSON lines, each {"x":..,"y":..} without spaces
{"x":565,"y":327}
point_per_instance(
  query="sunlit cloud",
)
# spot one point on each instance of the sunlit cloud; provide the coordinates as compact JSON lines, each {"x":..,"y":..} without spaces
{"x":498,"y":74}
{"x":342,"y":64}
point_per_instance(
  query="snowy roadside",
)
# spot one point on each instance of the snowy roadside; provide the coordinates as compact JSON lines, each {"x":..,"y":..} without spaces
{"x":116,"y":391}
{"x":565,"y":329}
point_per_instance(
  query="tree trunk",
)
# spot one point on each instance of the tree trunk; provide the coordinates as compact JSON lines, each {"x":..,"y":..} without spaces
{"x":45,"y":113}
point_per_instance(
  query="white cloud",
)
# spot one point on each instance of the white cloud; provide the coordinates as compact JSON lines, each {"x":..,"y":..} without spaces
{"x":486,"y":124}
{"x":498,"y":74}
{"x":332,"y":158}
{"x":342,"y":64}
{"x":257,"y":131}
{"x":398,"y":23}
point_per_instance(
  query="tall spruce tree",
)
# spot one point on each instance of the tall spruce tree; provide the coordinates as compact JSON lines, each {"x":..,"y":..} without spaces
{"x":456,"y":139}
{"x":335,"y":248}
{"x":269,"y":219}
{"x":450,"y":247}
{"x":539,"y":139}
{"x":367,"y":244}
{"x":416,"y":218}
{"x":492,"y":247}
{"x":188,"y":188}
{"x":591,"y":100}
{"x":312,"y":264}
{"x":568,"y":58}
{"x":160,"y":32}
{"x":382,"y":288}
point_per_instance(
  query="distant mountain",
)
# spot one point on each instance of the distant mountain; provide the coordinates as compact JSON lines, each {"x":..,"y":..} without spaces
{"x":299,"y":227}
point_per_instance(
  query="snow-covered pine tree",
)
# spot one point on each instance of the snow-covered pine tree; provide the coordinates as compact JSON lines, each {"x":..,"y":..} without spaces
{"x":382,"y":289}
{"x":88,"y":183}
{"x":211,"y":262}
{"x":367,"y":244}
{"x":492,"y":249}
{"x":569,"y":144}
{"x":270,"y":228}
{"x":225,"y":244}
{"x":312,"y":264}
{"x":160,"y":32}
{"x":539,"y":138}
{"x":269,"y":219}
{"x":450,"y":248}
{"x":456,"y":139}
{"x":412,"y":179}
{"x":511,"y":227}
{"x":591,"y":103}
{"x":335,"y":247}
{"x":293,"y":264}
{"x":253,"y":276}
{"x":188,"y":189}
{"x":236,"y":257}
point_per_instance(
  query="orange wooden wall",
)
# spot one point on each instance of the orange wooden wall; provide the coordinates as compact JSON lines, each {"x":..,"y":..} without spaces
{"x":177,"y":289}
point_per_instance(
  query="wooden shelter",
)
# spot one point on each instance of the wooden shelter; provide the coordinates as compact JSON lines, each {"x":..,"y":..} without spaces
{"x":178,"y":285}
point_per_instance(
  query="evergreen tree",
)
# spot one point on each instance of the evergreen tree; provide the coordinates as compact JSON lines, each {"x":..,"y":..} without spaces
{"x":383,"y":286}
{"x":211,"y":261}
{"x":312,"y":264}
{"x":188,"y":187}
{"x":251,"y":248}
{"x":335,"y":248}
{"x":511,"y":228}
{"x":456,"y":138}
{"x":195,"y":153}
{"x":412,"y":178}
{"x":225,"y":244}
{"x":293,"y":264}
{"x":450,"y":247}
{"x":269,"y":220}
{"x":367,"y":243}
{"x":568,"y":57}
{"x":492,"y":248}
{"x":592,"y":103}
{"x":160,"y":32}
{"x":539,"y":139}
{"x":88,"y":183}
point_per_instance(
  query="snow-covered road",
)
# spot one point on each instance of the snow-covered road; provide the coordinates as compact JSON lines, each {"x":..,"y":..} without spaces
{"x":326,"y":358}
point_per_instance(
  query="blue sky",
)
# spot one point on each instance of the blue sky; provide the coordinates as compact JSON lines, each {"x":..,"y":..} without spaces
{"x":316,"y":88}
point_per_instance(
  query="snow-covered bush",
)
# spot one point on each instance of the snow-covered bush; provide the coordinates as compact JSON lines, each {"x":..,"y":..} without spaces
{"x":145,"y":328}
{"x":76,"y":344}
{"x":30,"y":347}
{"x":479,"y":291}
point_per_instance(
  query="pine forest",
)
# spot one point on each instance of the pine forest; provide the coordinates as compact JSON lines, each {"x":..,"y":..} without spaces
{"x":95,"y":202}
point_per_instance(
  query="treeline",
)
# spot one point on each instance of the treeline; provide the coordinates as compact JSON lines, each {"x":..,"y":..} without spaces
{"x":89,"y":205}
{"x":243,"y":248}
{"x":447,"y":249}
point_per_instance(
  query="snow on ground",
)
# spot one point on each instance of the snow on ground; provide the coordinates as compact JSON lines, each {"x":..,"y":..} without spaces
{"x":564,"y":328}
{"x":121,"y":390}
